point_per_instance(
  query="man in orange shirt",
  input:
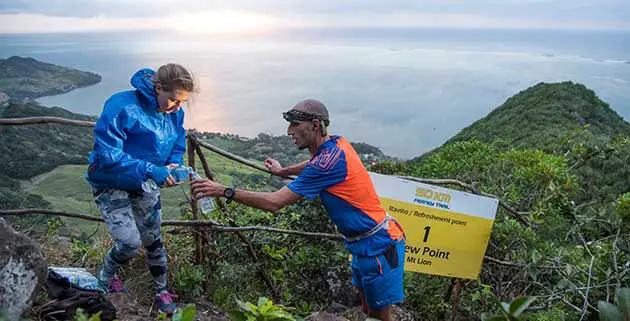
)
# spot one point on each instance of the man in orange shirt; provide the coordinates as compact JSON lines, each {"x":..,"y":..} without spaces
{"x":335,"y":174}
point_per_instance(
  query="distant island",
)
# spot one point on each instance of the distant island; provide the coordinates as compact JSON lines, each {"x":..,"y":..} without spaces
{"x":23,"y":78}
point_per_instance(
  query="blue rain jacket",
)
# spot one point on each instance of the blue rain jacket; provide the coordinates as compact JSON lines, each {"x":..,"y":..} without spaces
{"x":133,"y":140}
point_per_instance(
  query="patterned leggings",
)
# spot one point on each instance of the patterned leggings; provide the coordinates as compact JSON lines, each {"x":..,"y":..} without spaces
{"x":133,"y":219}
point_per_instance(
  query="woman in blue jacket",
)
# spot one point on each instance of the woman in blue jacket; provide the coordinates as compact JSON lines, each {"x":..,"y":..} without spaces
{"x":139,"y":136}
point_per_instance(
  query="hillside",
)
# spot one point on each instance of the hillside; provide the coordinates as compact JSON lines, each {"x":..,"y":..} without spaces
{"x":542,"y":117}
{"x":563,"y":119}
{"x":27,"y":78}
{"x":559,"y":157}
{"x":31,"y":150}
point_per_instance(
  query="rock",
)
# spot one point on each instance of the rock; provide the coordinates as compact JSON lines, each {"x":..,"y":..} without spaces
{"x":61,"y":242}
{"x":336,"y":308}
{"x":324,"y":316}
{"x":339,"y":281}
{"x":208,"y":309}
{"x":398,"y":314}
{"x":23,"y":270}
{"x":355,"y":314}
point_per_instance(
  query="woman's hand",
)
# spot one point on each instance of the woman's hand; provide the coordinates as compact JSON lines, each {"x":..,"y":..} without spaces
{"x":170,"y":180}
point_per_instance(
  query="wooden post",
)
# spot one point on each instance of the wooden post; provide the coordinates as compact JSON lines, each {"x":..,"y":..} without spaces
{"x":194,"y":204}
{"x":223,"y":208}
{"x":458,"y":289}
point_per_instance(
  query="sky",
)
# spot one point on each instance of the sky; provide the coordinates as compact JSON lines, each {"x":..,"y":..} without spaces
{"x":250,"y":16}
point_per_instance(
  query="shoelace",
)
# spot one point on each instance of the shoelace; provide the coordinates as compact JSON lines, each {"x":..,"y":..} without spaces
{"x":167,"y":297}
{"x":116,"y":285}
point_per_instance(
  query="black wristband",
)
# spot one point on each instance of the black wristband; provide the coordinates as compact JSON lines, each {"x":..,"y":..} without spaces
{"x":229,"y":194}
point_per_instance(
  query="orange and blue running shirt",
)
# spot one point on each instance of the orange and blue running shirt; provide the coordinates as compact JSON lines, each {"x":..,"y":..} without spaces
{"x":338,"y":177}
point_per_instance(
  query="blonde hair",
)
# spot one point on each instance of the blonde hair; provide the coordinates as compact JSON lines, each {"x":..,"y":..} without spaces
{"x":174,"y":76}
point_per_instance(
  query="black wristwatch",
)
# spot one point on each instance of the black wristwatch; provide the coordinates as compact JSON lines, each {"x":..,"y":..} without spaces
{"x":229,"y":193}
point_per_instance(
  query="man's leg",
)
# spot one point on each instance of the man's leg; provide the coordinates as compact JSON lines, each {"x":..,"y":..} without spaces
{"x":148,"y":215}
{"x":364,"y":307}
{"x":384,"y":314}
{"x":115,"y":207}
{"x":380,"y":280}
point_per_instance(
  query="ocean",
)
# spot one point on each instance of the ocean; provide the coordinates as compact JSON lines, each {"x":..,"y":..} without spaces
{"x":403,"y":90}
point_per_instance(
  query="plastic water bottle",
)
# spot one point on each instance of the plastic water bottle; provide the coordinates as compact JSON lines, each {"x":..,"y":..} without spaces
{"x":179,"y":173}
{"x":206,"y":204}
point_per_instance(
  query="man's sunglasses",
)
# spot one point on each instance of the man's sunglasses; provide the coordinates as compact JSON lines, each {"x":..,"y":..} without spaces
{"x":296,"y":115}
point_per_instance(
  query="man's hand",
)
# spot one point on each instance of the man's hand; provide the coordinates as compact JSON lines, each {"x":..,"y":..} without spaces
{"x":273,"y":166}
{"x":170,"y":180}
{"x":205,"y":187}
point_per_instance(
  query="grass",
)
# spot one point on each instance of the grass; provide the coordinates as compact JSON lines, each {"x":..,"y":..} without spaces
{"x":67,"y":190}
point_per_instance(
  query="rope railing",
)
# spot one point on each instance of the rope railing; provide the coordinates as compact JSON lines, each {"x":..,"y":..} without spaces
{"x":45,"y":120}
{"x":236,"y":158}
{"x":210,"y":225}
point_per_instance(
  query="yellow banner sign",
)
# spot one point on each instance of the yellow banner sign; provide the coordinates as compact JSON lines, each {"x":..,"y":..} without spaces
{"x":447,"y":230}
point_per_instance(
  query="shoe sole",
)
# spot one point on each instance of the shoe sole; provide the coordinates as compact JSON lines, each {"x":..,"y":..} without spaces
{"x":167,"y":313}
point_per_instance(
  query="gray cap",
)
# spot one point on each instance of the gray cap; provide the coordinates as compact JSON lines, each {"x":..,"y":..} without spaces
{"x":308,"y":109}
{"x":312,"y":106}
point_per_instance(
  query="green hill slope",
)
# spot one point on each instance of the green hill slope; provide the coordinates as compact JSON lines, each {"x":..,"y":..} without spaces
{"x":31,"y":150}
{"x":565,"y":119}
{"x":543,"y":115}
{"x":22,"y":78}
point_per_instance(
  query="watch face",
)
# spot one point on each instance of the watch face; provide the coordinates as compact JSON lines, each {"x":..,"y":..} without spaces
{"x":229,"y":192}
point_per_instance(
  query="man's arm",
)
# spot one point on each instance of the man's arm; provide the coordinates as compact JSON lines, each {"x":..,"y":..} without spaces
{"x":275,"y":167}
{"x":268,"y":201}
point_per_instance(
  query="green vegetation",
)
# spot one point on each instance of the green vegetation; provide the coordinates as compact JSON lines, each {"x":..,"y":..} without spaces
{"x":31,"y":150}
{"x":541,"y":116}
{"x":511,"y":311}
{"x":563,"y":118}
{"x":620,"y":312}
{"x":264,"y":311}
{"x":559,"y":153}
{"x":27,"y":78}
{"x":185,"y":314}
{"x":565,"y":252}
{"x":81,"y":316}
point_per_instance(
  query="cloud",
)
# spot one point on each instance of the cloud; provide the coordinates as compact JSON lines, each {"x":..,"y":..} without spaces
{"x":103,"y":14}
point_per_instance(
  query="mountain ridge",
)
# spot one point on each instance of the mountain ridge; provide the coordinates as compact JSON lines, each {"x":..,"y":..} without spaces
{"x":547,"y":111}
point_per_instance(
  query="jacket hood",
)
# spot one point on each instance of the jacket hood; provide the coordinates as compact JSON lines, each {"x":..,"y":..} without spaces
{"x":142,"y":81}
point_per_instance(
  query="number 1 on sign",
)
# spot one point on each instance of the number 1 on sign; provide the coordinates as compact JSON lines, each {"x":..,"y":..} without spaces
{"x":426,"y":233}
